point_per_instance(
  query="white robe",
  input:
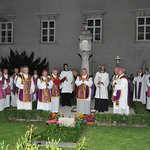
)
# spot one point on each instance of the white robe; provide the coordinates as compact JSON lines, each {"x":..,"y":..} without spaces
{"x":102,"y":89}
{"x":3,"y":101}
{"x":8,"y":96}
{"x":123,"y":103}
{"x":34,"y":95}
{"x":22,"y":105}
{"x":66,"y":86}
{"x":146,"y":80}
{"x":55,"y":102}
{"x":41,"y":85}
{"x":84,"y":106}
{"x":148,"y":98}
{"x":138,"y":80}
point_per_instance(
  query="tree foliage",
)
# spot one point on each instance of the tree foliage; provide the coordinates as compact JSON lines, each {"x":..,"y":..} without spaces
{"x":16,"y":60}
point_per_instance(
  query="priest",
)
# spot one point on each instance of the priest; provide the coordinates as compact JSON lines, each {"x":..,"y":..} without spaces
{"x":66,"y":86}
{"x":139,"y":93}
{"x":121,"y":97}
{"x":55,"y":91}
{"x":101,"y":82}
{"x":84,"y":83}
{"x":35,"y":78}
{"x":44,"y":84}
{"x":3,"y":86}
{"x":148,"y":94}
{"x":26,"y":89}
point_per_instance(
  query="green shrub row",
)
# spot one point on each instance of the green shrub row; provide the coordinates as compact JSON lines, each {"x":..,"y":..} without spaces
{"x":129,"y":120}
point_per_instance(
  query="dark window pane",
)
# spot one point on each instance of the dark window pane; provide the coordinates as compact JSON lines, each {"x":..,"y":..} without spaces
{"x":44,"y":32}
{"x":3,"y":33}
{"x":147,"y":29}
{"x":51,"y":24}
{"x":44,"y":39}
{"x":45,"y":25}
{"x":90,"y":22}
{"x":9,"y":26}
{"x":98,"y":22}
{"x":140,"y":36}
{"x":9,"y":33}
{"x":147,"y":36}
{"x":147,"y":20}
{"x":3,"y":26}
{"x":91,"y":30}
{"x":97,"y":37}
{"x":140,"y":21}
{"x":97,"y":30}
{"x":140,"y":29}
{"x":51,"y":31}
{"x":9,"y":39}
{"x":3,"y":40}
{"x":51,"y":38}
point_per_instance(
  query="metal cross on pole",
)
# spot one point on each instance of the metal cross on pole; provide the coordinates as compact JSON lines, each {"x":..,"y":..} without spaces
{"x":118,"y":59}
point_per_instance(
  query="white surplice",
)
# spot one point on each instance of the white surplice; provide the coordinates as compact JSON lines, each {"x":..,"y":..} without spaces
{"x":101,"y":90}
{"x":123,"y":107}
{"x":139,"y":94}
{"x":146,"y":80}
{"x":42,"y":85}
{"x":22,"y":105}
{"x":3,"y":100}
{"x":35,"y":94}
{"x":66,"y":86}
{"x":84,"y":106}
{"x":148,"y":98}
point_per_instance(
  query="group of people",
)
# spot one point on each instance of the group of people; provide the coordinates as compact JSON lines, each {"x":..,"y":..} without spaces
{"x":21,"y":89}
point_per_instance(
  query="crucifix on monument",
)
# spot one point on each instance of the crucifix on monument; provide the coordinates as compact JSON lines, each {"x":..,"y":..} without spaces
{"x":118,"y":59}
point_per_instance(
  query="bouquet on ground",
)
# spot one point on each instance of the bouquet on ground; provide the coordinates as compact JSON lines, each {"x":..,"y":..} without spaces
{"x":79,"y":118}
{"x":89,"y":118}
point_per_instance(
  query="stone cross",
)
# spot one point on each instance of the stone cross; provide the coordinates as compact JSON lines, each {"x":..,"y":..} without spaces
{"x":117,"y":58}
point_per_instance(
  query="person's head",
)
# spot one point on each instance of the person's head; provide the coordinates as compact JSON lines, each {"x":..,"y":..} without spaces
{"x":35,"y":71}
{"x":65,"y":66}
{"x":102,"y":68}
{"x":44,"y":73}
{"x":121,"y":71}
{"x":16,"y":70}
{"x":116,"y":70}
{"x":1,"y":73}
{"x":146,"y":70}
{"x":140,"y":70}
{"x":84,"y":71}
{"x":21,"y":69}
{"x":25,"y":70}
{"x":55,"y":71}
{"x":5,"y":71}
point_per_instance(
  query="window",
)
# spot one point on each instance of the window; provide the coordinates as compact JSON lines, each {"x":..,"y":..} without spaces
{"x":143,"y":29}
{"x":6,"y":32}
{"x":48,"y":31}
{"x":95,"y":27}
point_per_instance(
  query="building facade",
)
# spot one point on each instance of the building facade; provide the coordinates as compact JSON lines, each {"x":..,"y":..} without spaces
{"x":51,"y":28}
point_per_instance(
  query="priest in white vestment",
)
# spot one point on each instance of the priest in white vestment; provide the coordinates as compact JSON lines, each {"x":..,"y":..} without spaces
{"x":139,"y":93}
{"x":26,"y":89}
{"x":3,"y":86}
{"x":147,"y":75}
{"x":14,"y":89}
{"x":44,"y":84}
{"x":35,"y":78}
{"x":122,"y":96}
{"x":8,"y":89}
{"x":101,"y":82}
{"x":55,"y":91}
{"x":84,"y":83}
{"x":67,"y":86}
{"x":148,"y":94}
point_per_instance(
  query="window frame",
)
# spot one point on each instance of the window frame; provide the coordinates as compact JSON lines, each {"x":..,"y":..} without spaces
{"x":144,"y":25}
{"x":48,"y":30}
{"x":6,"y":30}
{"x":94,"y":27}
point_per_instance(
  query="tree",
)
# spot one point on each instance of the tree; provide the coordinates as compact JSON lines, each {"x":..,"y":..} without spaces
{"x":16,"y":60}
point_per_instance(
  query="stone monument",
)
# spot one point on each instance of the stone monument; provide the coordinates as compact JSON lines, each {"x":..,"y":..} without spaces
{"x":85,"y":47}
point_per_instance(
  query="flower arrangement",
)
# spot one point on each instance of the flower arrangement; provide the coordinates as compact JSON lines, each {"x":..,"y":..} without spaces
{"x":89,"y":118}
{"x":52,"y":121}
{"x":79,"y":118}
{"x":54,"y":116}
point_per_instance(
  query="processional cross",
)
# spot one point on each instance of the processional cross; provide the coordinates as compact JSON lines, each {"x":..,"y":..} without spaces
{"x":118,"y":59}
